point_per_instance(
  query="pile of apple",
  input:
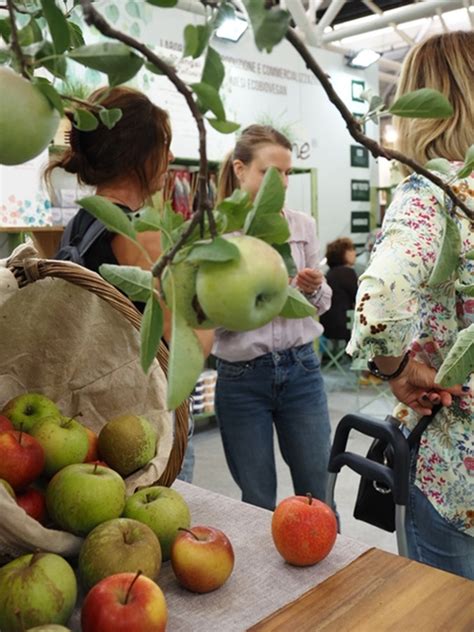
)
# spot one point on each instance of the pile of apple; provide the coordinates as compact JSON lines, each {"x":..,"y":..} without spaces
{"x":126,"y":538}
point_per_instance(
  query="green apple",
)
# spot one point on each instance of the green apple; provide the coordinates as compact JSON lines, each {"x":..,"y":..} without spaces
{"x":36,"y":589}
{"x":120,"y":545}
{"x":82,"y":495}
{"x":27,"y":120}
{"x":49,"y":628}
{"x":24,"y":411}
{"x":63,"y":440}
{"x":127,"y":443}
{"x":247,"y":293}
{"x":8,"y":487}
{"x":161,"y":508}
{"x":182,"y":277}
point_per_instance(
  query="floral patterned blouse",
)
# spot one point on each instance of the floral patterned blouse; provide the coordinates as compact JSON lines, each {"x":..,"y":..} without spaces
{"x":397,"y":310}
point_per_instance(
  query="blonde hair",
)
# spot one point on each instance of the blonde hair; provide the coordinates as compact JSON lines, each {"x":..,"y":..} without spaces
{"x":251,"y":138}
{"x":445,"y":63}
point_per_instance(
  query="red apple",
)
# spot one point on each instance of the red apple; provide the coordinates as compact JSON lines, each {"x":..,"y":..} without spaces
{"x":21,"y":458}
{"x":92,"y":455}
{"x":5,"y":424}
{"x":33,"y":502}
{"x":304,"y":530}
{"x":202,"y":558}
{"x":125,"y":602}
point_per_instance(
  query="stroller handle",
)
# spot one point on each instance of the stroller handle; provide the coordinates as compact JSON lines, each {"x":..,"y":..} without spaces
{"x":395,"y":477}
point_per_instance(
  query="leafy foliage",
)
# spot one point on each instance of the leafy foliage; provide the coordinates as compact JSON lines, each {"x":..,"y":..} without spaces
{"x":459,"y":362}
{"x":423,"y":103}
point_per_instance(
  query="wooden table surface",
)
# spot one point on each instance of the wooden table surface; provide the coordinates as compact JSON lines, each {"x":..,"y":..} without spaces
{"x":380,"y":592}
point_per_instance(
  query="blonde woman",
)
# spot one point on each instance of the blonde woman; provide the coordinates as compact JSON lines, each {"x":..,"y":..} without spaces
{"x":405,"y":328}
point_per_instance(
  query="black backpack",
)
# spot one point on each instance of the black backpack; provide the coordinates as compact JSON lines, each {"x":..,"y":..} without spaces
{"x":74,"y":248}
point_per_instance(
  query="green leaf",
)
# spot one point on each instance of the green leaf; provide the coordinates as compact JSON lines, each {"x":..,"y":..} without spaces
{"x":85,"y":120}
{"x":235,"y":208}
{"x":448,"y":256}
{"x":209,"y":97}
{"x":196,"y":39}
{"x":468,"y":167}
{"x":57,"y":24}
{"x":272,"y":228}
{"x":133,"y":281}
{"x":165,"y":4}
{"x":110,"y":117}
{"x":376,"y":103}
{"x":30,"y":34}
{"x":459,"y":363}
{"x":423,"y":103}
{"x":465,"y":290}
{"x":133,"y":9}
{"x":297,"y":306}
{"x":213,"y":72}
{"x":152,"y":68}
{"x":269,"y":201}
{"x":269,"y":26}
{"x":186,"y":360}
{"x":56,"y":66}
{"x":225,"y":12}
{"x":218,"y":250}
{"x":49,"y":92}
{"x":151,"y":330}
{"x":75,"y":35}
{"x":169,"y":222}
{"x":285,"y":252}
{"x":109,"y":214}
{"x":224,"y":127}
{"x":441,"y":165}
{"x":148,"y":218}
{"x":5,"y":29}
{"x":470,"y":255}
{"x":112,"y":58}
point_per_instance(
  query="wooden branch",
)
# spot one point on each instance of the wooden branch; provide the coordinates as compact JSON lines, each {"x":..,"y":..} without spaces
{"x":94,"y":18}
{"x":15,"y":44}
{"x":355,"y":130}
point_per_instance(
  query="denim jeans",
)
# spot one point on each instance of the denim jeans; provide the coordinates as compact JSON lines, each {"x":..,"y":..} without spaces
{"x":187,"y":468}
{"x":284,"y":390}
{"x":431,"y":539}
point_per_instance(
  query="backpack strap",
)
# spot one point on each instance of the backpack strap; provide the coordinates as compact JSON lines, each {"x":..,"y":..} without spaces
{"x":93,"y":232}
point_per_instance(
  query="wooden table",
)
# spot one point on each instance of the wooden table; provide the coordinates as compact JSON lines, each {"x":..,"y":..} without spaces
{"x":45,"y":238}
{"x":380,"y":592}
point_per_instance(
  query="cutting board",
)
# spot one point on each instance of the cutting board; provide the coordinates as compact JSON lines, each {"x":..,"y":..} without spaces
{"x":380,"y":592}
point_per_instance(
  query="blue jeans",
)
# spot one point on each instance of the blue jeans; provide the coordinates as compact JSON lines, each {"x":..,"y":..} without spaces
{"x":187,"y":468}
{"x":282,"y":389}
{"x":431,"y":539}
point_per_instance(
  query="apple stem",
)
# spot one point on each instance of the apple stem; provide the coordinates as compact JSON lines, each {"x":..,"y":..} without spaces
{"x":21,"y":433}
{"x":35,"y":556}
{"x":310,"y":498}
{"x":20,"y":619}
{"x":94,"y":471}
{"x":188,"y":531}
{"x":127,"y":596}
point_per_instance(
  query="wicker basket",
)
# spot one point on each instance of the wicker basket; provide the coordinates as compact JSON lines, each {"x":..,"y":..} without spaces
{"x":30,"y":270}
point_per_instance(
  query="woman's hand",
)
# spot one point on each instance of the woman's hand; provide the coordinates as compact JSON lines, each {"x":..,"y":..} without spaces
{"x":309,"y":280}
{"x":416,"y":387}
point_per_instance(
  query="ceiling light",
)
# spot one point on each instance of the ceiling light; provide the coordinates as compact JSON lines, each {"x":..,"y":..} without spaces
{"x":232,"y":28}
{"x":364,"y":58}
{"x":390,"y":134}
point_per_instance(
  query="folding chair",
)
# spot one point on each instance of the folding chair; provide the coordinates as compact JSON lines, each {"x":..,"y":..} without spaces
{"x":336,"y":357}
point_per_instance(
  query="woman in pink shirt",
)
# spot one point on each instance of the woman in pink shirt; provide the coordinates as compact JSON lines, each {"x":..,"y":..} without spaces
{"x":270,"y":377}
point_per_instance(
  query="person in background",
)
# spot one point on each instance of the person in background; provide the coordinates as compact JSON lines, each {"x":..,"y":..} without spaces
{"x":405,"y":326}
{"x":270,"y":377}
{"x":342,"y":279}
{"x":127,"y":164}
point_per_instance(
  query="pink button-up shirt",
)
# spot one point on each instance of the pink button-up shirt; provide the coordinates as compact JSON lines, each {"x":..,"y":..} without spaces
{"x":282,"y":333}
